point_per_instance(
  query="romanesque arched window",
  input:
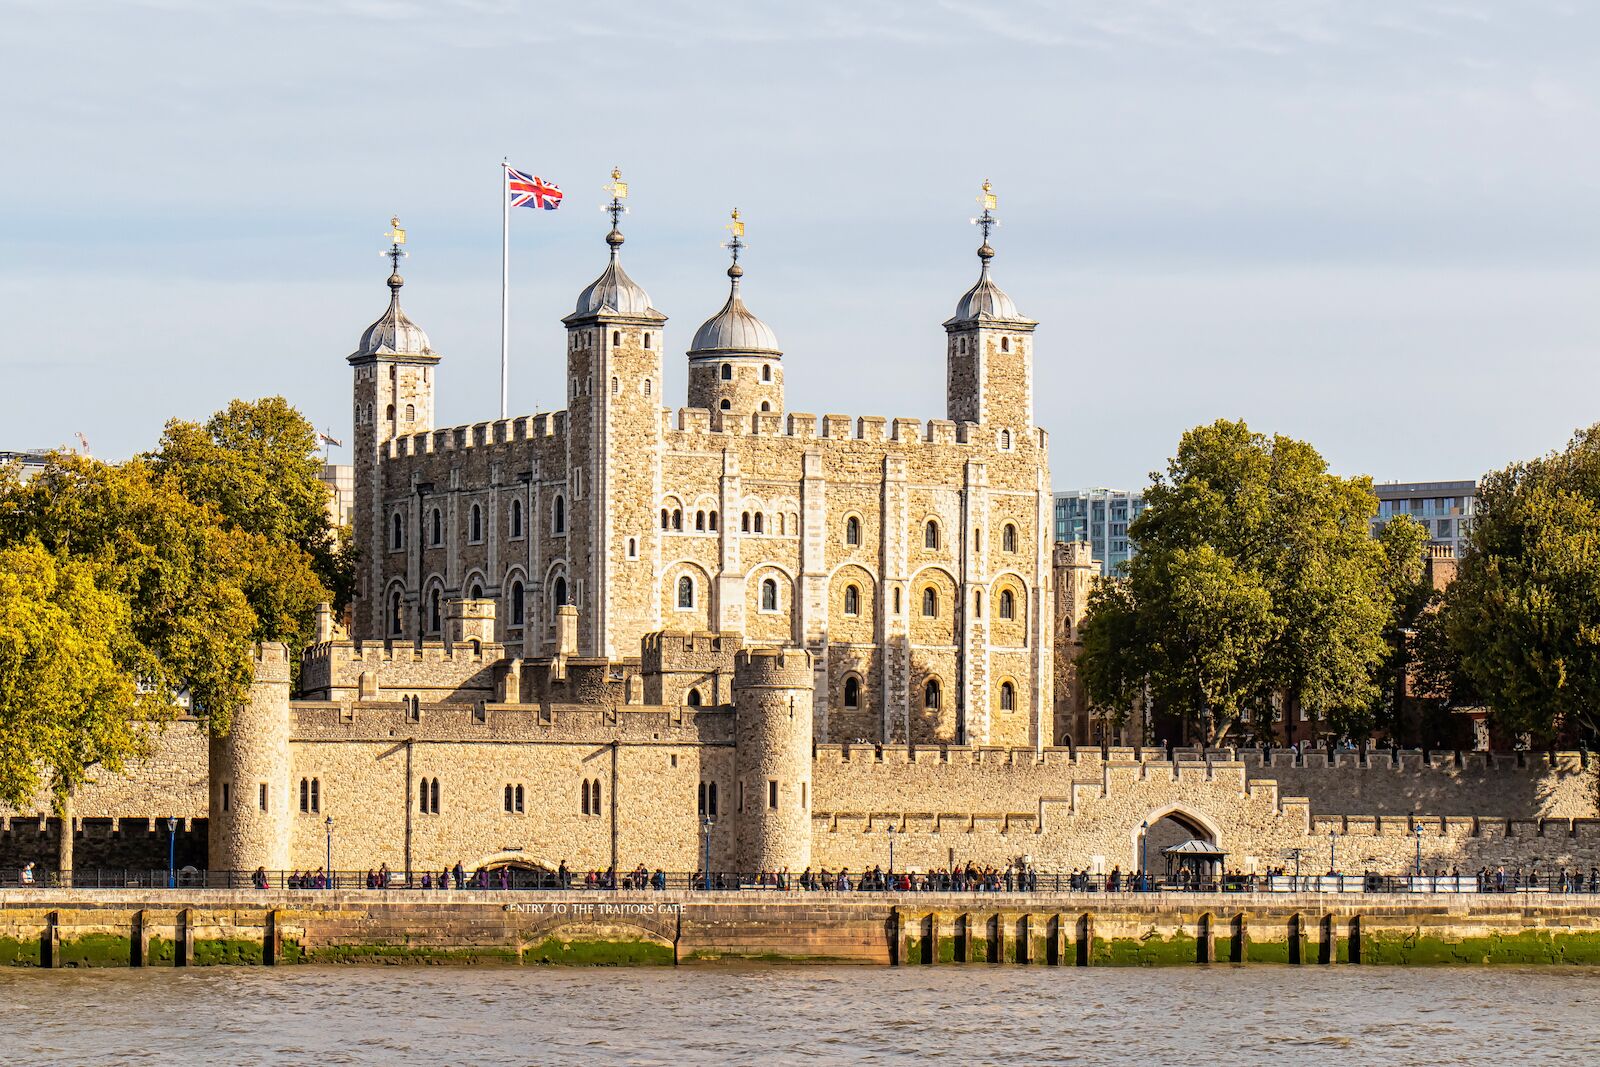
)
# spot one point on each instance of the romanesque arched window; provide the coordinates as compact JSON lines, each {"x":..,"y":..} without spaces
{"x":766,"y":405}
{"x":852,"y":531}
{"x":616,"y":337}
{"x":766,"y":372}
{"x":666,"y":519}
{"x":1008,"y":539}
{"x":713,"y":518}
{"x":1008,"y":604}
{"x":930,"y":602}
{"x":769,"y":595}
{"x":727,"y":374}
{"x":437,"y":522}
{"x":560,"y":591}
{"x":475,"y":528}
{"x":388,"y":412}
{"x":726,"y":405}
{"x":1008,"y":697}
{"x":398,"y":539}
{"x":699,"y":520}
{"x":476,"y":592}
{"x":594,"y":795}
{"x":584,"y":804}
{"x":930,"y":535}
{"x":1005,"y":344}
{"x":758,"y":522}
{"x":744,"y":523}
{"x":685,"y":592}
{"x":433,"y":610}
{"x":647,"y":338}
{"x":616,"y":386}
{"x":633,"y":548}
{"x":510,"y":798}
{"x":516,"y":518}
{"x":930,"y":695}
{"x":852,"y":692}
{"x":852,"y":600}
{"x":1005,"y":439}
{"x":558,"y":515}
{"x":677,"y":518}
{"x":397,"y":617}
{"x":516,"y":604}
{"x":693,"y":701}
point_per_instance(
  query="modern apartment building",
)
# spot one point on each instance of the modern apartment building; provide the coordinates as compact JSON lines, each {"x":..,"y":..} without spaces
{"x":1100,"y":517}
{"x":1443,"y":508}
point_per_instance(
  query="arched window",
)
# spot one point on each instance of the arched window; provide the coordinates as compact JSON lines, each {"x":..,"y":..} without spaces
{"x":316,"y":794}
{"x":616,"y":337}
{"x":516,"y":518}
{"x":388,"y":412}
{"x":726,"y":405}
{"x":647,"y":339}
{"x":977,"y":603}
{"x":930,"y":695}
{"x":476,"y":593}
{"x":897,"y":600}
{"x":711,"y":796}
{"x":852,"y":600}
{"x":510,"y":797}
{"x":397,"y":616}
{"x":852,"y":531}
{"x":766,"y":372}
{"x":666,"y":519}
{"x":519,"y":800}
{"x":411,"y":413}
{"x":677,"y":518}
{"x":852,"y":692}
{"x":930,"y":602}
{"x":744,"y":522}
{"x":685,"y":592}
{"x":1008,"y":538}
{"x":433,"y":610}
{"x":727,"y":372}
{"x":758,"y":520}
{"x":713,"y":520}
{"x":433,"y":797}
{"x":633,"y":548}
{"x":1008,"y":697}
{"x":693,"y":700}
{"x":699,"y":520}
{"x":477,"y":523}
{"x":584,"y":807}
{"x":305,"y":794}
{"x":1008,"y":604}
{"x":647,"y":387}
{"x":438,"y":527}
{"x":766,"y":406}
{"x":930,"y":535}
{"x":1005,"y":439}
{"x":558,"y":516}
{"x":616,"y":386}
{"x":516,"y":604}
{"x":422,"y":796}
{"x":560,"y":591}
{"x":399,"y":538}
{"x":769,"y":595}
{"x":1005,"y":344}
{"x":594,"y":795}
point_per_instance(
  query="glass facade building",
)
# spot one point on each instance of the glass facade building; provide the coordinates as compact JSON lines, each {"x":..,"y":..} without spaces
{"x":1443,"y":508}
{"x":1100,"y":517}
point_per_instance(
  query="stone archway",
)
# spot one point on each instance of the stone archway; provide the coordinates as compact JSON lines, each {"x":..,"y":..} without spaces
{"x":521,"y":871}
{"x":1170,"y":824}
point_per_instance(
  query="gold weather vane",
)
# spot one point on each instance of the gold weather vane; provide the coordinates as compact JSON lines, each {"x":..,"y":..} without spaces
{"x":619,"y":192}
{"x":988,"y":199}
{"x":736,"y":226}
{"x":397,"y":237}
{"x":396,"y":234}
{"x":987,"y":221}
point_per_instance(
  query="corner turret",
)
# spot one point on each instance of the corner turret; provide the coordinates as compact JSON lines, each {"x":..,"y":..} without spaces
{"x":772,"y":692}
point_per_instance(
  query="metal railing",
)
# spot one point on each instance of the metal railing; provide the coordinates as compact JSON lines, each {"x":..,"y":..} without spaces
{"x":817,"y":881}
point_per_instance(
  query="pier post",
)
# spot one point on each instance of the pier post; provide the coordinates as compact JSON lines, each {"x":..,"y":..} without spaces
{"x":183,"y":951}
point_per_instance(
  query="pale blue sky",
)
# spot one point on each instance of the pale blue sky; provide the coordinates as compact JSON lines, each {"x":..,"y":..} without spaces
{"x":1370,"y":225}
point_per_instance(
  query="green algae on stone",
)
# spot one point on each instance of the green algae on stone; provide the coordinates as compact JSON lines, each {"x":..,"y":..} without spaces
{"x":224,"y":951}
{"x":19,"y":953}
{"x":600,"y":953}
{"x":96,"y":950}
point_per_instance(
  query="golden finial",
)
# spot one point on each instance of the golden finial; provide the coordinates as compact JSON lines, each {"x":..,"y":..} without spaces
{"x":396,"y":234}
{"x":618,"y":188}
{"x":736,"y":226}
{"x":988,"y":199}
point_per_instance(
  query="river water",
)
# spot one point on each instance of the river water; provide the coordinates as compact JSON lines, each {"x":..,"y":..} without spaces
{"x":970,"y":1015}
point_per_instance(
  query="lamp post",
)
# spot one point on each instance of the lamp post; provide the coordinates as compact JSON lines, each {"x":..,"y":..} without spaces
{"x":172,"y":852}
{"x":891,"y":853}
{"x":329,"y":825}
{"x":705,"y":826}
{"x":1333,"y":866}
{"x":1418,"y":830}
{"x":1144,"y":856}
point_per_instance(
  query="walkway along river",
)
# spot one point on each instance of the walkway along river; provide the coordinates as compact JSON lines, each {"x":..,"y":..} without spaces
{"x":144,"y":927}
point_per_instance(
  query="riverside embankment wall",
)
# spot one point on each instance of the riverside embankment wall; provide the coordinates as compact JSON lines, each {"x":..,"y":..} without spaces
{"x":186,"y":928}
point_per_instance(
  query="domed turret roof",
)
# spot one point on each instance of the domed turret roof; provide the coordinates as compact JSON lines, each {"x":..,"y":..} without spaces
{"x":986,"y":300}
{"x":735,"y":330}
{"x":614,"y":293}
{"x":394,"y":333}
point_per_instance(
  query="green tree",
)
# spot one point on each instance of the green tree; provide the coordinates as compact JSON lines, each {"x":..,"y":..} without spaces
{"x":1523,"y":615}
{"x":68,"y":660}
{"x":1255,"y":586}
{"x":1409,"y":599}
{"x":256,"y":463}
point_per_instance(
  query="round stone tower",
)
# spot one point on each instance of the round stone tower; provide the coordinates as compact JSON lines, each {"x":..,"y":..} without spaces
{"x":735,"y":365}
{"x":249,"y":771}
{"x":772,"y":731}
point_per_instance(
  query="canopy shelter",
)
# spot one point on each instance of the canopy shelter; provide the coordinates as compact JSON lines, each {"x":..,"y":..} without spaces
{"x":1201,"y":859}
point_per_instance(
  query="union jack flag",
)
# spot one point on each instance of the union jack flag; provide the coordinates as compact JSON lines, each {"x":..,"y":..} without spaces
{"x":529,"y":190}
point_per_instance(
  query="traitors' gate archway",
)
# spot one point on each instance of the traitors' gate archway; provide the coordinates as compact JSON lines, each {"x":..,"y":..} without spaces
{"x":1170,"y":825}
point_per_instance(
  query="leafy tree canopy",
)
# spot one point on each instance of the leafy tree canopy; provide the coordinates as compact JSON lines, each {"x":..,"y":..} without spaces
{"x":1256,"y":582}
{"x":1523,"y":616}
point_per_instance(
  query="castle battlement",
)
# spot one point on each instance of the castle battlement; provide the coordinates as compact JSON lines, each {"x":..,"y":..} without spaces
{"x":698,"y":422}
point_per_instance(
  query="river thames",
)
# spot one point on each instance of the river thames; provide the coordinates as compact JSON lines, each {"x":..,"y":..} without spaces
{"x":801,"y":1015}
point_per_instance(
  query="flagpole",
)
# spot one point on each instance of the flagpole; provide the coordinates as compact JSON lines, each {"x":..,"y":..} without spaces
{"x":505,"y":283}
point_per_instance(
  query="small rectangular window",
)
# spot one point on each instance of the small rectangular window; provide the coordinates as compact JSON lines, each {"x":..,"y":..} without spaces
{"x":772,"y":794}
{"x":263,"y":796}
{"x":802,"y":796}
{"x":226,"y":798}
